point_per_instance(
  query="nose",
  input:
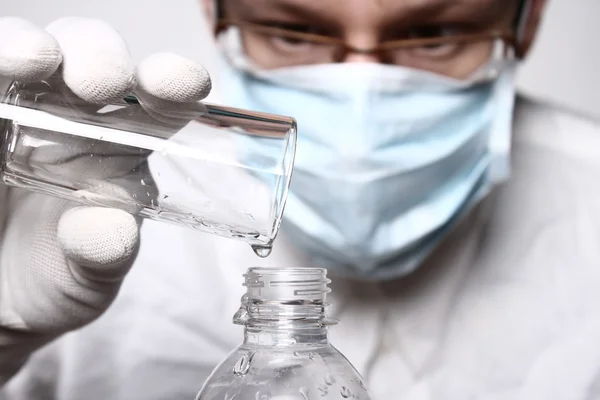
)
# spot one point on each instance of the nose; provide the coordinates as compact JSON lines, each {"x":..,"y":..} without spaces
{"x":361,"y":47}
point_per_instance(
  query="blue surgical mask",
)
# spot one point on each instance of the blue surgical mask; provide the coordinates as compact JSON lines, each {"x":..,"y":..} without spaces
{"x":388,"y":158}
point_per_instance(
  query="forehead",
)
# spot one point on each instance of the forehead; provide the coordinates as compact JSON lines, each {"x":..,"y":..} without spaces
{"x":370,"y":12}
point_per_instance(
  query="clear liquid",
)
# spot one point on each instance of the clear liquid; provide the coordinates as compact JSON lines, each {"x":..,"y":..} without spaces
{"x":226,"y":200}
{"x":262,"y":251}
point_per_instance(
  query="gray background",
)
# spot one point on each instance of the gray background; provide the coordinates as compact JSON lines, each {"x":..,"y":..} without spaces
{"x":564,"y":66}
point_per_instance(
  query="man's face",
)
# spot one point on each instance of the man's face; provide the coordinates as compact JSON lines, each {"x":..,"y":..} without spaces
{"x":363,"y":24}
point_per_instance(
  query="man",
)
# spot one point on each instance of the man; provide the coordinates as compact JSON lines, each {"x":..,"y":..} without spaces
{"x":459,"y":220}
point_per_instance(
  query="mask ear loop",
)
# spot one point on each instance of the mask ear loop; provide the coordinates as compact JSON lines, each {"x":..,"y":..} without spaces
{"x":523,"y":17}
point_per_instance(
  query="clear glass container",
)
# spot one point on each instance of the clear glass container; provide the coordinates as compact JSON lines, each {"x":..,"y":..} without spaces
{"x":221,"y":170}
{"x":285,"y":353}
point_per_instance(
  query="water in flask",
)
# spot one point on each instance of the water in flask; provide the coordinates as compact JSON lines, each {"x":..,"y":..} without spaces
{"x":219,"y":170}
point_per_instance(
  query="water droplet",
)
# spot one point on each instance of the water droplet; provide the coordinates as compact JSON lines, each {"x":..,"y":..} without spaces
{"x":323,"y":390}
{"x":142,"y":182}
{"x":362,"y":384}
{"x":242,"y":366}
{"x":304,"y":393}
{"x":260,"y":396}
{"x":296,"y":353}
{"x":229,"y":396}
{"x":166,"y":196}
{"x":311,"y":356}
{"x":135,"y":196}
{"x":241,"y":315}
{"x":345,"y":392}
{"x":262,"y":251}
{"x":329,"y":379}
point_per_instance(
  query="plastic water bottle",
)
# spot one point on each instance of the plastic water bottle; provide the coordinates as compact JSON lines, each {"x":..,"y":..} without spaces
{"x":285,"y":353}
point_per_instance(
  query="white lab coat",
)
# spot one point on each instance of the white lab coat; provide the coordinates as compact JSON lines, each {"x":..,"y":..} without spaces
{"x":507,"y":308}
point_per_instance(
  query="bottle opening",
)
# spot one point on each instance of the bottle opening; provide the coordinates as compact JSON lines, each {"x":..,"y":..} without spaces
{"x":284,"y":295}
{"x":287,"y":284}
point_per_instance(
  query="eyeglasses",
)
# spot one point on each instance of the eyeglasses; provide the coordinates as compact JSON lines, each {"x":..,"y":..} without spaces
{"x":454,"y":55}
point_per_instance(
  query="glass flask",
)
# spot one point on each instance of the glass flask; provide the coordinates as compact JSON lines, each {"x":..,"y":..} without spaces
{"x":285,"y":353}
{"x":216,"y":169}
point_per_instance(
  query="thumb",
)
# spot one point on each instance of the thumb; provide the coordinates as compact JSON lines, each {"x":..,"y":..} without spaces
{"x":99,"y":243}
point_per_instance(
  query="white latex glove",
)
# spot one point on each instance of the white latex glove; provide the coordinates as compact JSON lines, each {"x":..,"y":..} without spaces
{"x":61,"y":265}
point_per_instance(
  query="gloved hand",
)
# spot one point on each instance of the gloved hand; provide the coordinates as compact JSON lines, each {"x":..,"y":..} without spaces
{"x":61,"y":265}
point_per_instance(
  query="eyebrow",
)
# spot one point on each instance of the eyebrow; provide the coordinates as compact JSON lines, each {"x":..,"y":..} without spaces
{"x":282,"y":10}
{"x":433,"y":10}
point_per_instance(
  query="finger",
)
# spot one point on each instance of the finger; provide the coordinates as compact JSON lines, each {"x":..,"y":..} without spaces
{"x":87,"y":166}
{"x":169,"y":87}
{"x":169,"y":115}
{"x":173,"y":78}
{"x":97,"y":65}
{"x":27,"y":53}
{"x":82,"y":158}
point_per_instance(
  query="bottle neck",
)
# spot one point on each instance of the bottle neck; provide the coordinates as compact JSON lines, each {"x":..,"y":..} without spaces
{"x":284,"y":307}
{"x":261,"y":336}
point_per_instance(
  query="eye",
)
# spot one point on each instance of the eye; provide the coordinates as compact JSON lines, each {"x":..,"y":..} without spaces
{"x":435,"y":32}
{"x":294,"y":36}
